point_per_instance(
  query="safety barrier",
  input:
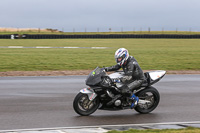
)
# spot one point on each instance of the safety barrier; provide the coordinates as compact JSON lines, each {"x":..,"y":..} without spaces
{"x":5,"y":36}
{"x":98,"y":36}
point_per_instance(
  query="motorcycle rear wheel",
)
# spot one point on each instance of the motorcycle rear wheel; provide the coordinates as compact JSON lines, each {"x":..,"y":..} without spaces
{"x":83,"y":106}
{"x":150,"y":94}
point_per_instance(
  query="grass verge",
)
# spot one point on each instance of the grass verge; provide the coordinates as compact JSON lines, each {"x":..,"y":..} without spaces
{"x":166,"y":54}
{"x":184,"y":130}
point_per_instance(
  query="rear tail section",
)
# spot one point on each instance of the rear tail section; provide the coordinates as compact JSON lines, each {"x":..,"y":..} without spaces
{"x":154,"y":76}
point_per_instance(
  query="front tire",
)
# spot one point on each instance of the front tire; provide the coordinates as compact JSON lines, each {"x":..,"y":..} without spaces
{"x":83,"y":106}
{"x":150,"y":94}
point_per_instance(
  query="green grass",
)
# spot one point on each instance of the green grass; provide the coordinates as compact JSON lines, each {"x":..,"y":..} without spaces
{"x":165,"y":54}
{"x":185,"y":130}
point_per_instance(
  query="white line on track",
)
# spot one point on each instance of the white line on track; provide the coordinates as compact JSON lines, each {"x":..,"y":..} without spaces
{"x":80,"y":127}
{"x":99,"y":47}
{"x":54,"y":47}
{"x":15,"y":46}
{"x":43,"y":47}
{"x":71,"y":47}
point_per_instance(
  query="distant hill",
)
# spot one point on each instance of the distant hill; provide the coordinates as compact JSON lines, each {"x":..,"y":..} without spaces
{"x":56,"y":31}
{"x":27,"y":30}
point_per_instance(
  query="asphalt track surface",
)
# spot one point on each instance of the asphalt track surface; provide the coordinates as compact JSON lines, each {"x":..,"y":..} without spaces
{"x":45,"y":102}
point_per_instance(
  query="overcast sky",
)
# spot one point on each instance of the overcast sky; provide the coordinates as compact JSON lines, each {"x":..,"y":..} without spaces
{"x":103,"y":14}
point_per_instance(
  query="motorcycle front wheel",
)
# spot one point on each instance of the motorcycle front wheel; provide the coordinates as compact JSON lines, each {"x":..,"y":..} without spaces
{"x":83,"y":106}
{"x":149,"y":94}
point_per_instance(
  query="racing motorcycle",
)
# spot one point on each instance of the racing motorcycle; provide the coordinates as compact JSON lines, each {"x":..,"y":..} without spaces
{"x":104,"y":94}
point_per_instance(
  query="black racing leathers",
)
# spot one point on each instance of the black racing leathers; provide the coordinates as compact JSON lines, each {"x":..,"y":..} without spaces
{"x":134,"y":75}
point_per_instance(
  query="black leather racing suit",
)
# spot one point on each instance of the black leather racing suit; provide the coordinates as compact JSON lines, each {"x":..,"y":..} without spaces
{"x":134,"y":75}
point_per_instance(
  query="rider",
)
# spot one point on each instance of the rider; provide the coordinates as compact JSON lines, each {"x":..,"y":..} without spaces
{"x":134,"y":75}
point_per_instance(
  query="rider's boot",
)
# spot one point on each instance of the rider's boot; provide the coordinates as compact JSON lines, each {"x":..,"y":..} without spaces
{"x":134,"y":99}
{"x":128,"y":93}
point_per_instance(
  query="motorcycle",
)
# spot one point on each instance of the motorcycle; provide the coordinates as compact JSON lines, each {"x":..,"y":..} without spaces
{"x":104,"y":94}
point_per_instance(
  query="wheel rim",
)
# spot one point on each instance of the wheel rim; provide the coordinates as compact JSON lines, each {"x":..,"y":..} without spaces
{"x":85,"y":104}
{"x":149,"y":96}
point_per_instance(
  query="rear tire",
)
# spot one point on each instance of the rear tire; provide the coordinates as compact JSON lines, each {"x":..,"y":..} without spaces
{"x":83,"y":106}
{"x":150,"y":94}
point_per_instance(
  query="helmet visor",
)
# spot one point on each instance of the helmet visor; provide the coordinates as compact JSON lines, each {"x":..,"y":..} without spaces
{"x":119,"y":59}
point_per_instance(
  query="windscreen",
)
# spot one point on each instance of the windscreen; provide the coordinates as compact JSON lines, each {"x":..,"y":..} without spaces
{"x":95,"y":77}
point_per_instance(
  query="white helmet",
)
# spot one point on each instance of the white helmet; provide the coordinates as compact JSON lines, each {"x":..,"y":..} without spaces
{"x":121,"y":55}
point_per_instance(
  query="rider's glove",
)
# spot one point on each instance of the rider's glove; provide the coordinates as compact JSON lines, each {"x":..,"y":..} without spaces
{"x":116,"y":80}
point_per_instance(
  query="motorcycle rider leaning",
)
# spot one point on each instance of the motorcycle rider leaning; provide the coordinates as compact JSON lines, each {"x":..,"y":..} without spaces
{"x":134,"y":76}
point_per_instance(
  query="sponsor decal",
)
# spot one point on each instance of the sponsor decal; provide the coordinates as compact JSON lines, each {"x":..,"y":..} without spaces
{"x":92,"y":96}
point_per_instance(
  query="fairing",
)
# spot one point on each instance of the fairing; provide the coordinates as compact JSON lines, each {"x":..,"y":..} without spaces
{"x":116,"y":75}
{"x":95,"y":77}
{"x":152,"y":77}
{"x":91,"y":94}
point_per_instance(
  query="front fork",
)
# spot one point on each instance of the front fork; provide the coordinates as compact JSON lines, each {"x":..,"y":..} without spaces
{"x":90,"y":92}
